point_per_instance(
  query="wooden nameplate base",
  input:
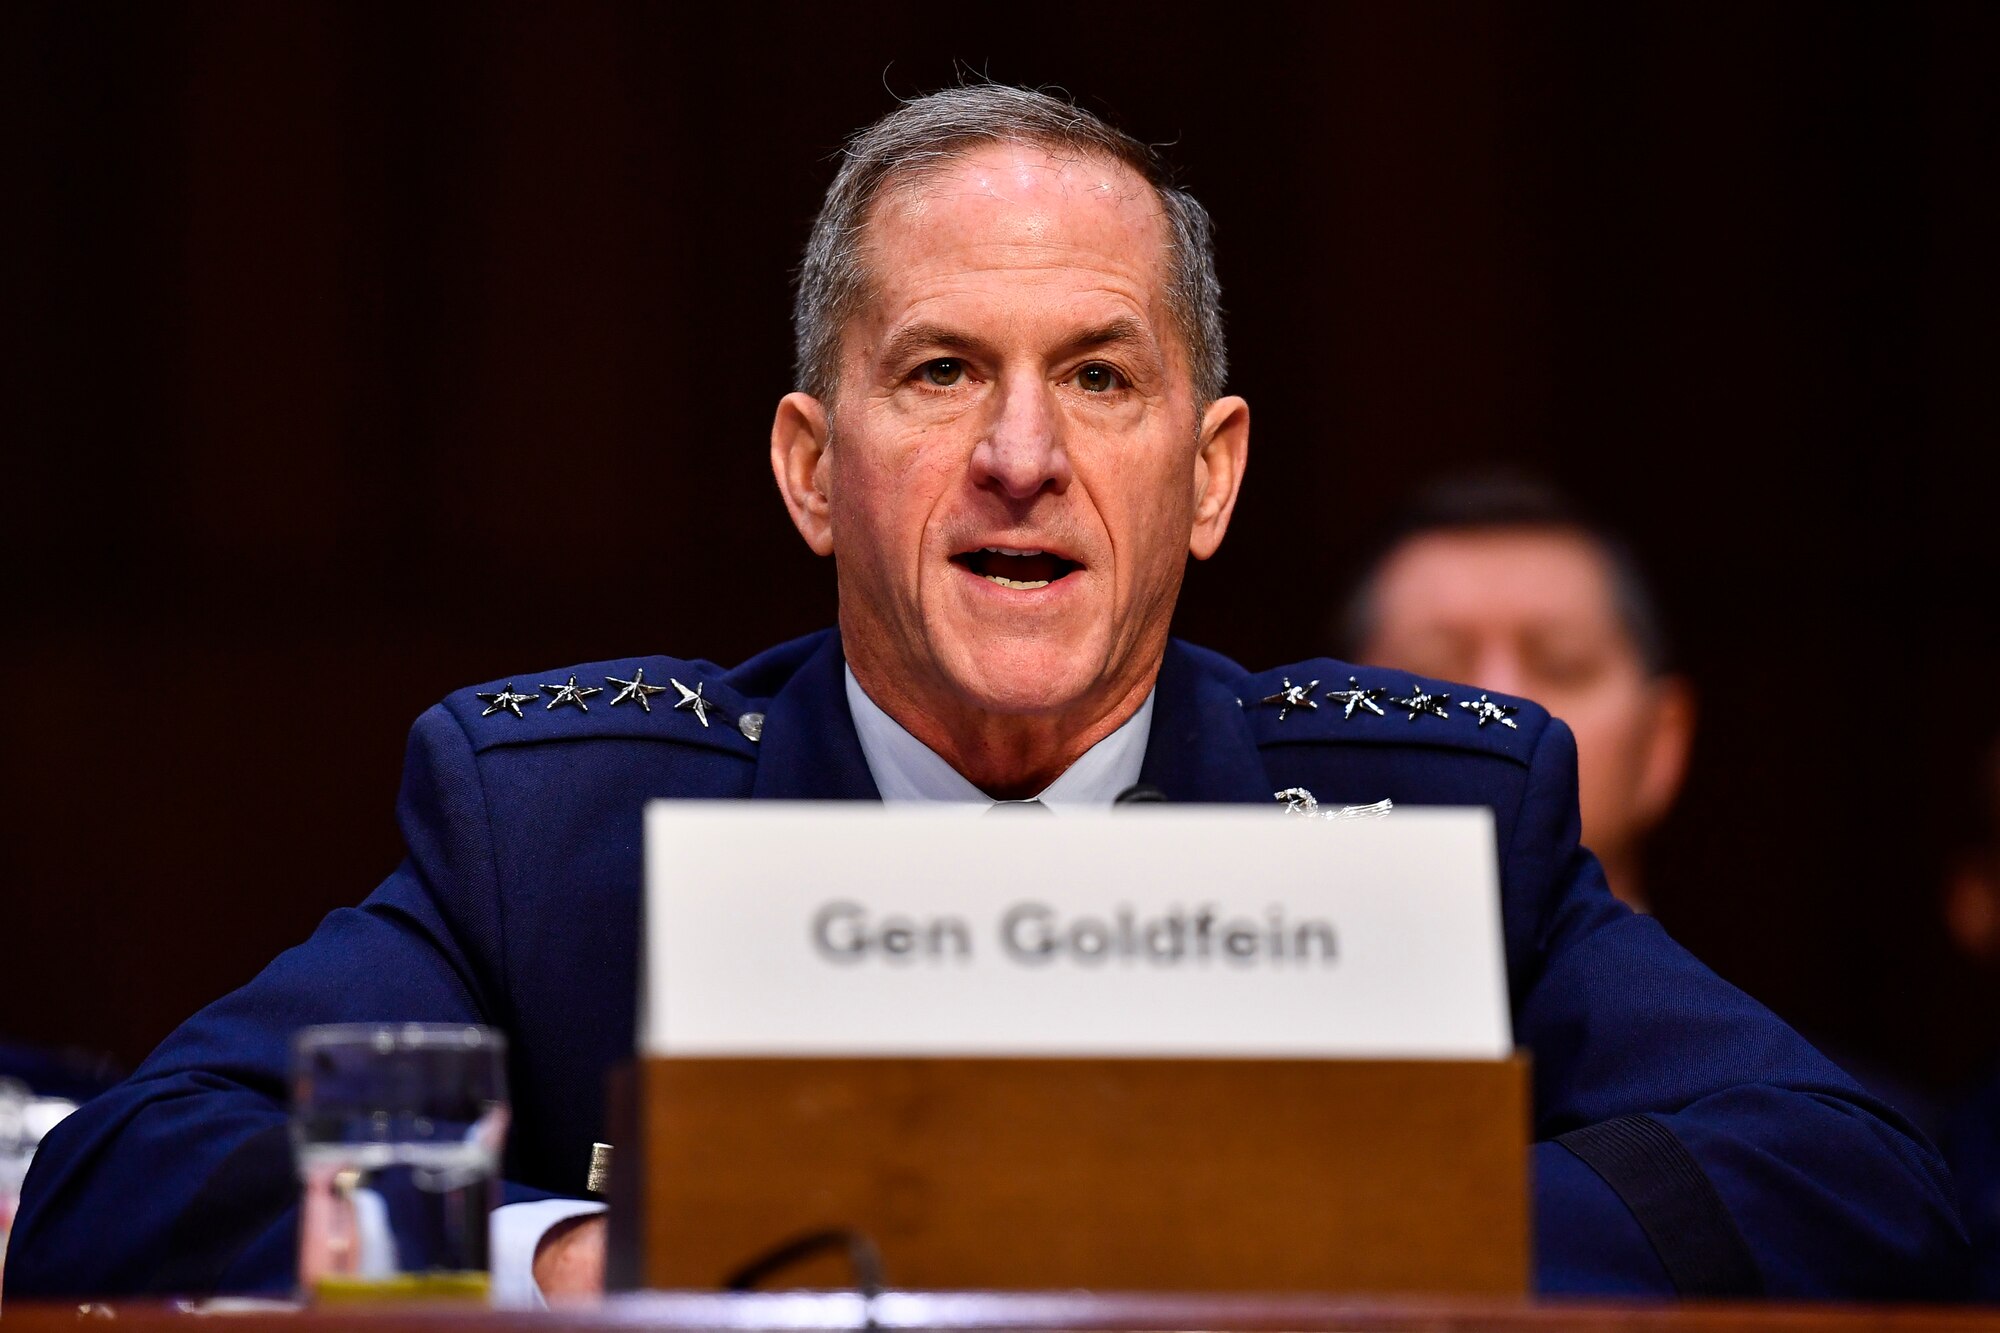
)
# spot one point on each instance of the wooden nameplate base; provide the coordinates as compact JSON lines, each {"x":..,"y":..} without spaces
{"x":1107,"y":1174}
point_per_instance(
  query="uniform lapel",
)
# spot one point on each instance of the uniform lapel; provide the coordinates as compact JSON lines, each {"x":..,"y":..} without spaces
{"x":1201,"y":748}
{"x":809,"y":751}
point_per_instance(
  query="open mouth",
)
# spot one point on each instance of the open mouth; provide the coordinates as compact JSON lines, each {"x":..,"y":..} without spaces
{"x":1010,"y":568}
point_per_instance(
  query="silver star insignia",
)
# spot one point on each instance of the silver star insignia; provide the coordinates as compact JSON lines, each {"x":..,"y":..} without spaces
{"x":503,"y":698}
{"x":1293,"y":696}
{"x":636,"y":689}
{"x":1356,"y":697}
{"x":571,"y":693}
{"x":1486,"y":711}
{"x":692,"y":701}
{"x":1420,"y":700}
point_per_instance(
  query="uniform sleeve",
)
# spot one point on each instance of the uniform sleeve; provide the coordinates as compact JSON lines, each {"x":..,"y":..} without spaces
{"x":180,"y":1179}
{"x":1692,"y":1142}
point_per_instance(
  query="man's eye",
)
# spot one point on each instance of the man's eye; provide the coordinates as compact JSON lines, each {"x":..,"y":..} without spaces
{"x":1568,"y":670}
{"x":943,"y":372}
{"x":1097,"y":378}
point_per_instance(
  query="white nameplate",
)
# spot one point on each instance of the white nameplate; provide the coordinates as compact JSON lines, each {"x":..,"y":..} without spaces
{"x":853,"y":929}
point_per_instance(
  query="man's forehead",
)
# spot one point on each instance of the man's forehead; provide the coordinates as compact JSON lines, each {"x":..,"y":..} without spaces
{"x":1493,"y":574}
{"x":1006,"y":210}
{"x":1018,"y":176}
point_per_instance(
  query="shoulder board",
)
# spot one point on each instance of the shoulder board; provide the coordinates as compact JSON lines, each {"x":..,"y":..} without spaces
{"x":667,"y":699}
{"x":1324,"y":701}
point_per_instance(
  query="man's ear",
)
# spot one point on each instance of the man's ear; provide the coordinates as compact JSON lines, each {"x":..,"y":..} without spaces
{"x":799,"y":439}
{"x":1667,"y":744}
{"x":1218,"y":472}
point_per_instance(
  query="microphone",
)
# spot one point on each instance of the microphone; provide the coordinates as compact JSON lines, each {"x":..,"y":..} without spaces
{"x":1140,"y":793}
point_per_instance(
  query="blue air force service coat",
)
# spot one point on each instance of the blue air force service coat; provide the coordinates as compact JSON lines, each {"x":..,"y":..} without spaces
{"x":1687,"y":1140}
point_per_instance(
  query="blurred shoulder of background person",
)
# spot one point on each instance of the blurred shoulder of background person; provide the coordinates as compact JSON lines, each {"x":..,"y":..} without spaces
{"x":39,"y":1086}
{"x":1500,"y":582}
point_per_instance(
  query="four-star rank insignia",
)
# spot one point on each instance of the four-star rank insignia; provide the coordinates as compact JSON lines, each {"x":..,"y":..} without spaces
{"x":503,"y":698}
{"x":1486,"y":711}
{"x":692,"y":701}
{"x":635,"y":689}
{"x":1420,"y":701}
{"x":1354,"y":696}
{"x":1293,"y":696}
{"x":571,"y":693}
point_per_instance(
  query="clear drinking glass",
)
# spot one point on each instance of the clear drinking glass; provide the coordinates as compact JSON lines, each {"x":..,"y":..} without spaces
{"x":398,"y":1131}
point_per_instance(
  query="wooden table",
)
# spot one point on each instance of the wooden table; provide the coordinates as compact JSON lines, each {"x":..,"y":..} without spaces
{"x":985,"y":1312}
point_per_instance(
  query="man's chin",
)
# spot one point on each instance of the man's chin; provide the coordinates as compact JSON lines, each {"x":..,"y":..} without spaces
{"x":1024,"y":678}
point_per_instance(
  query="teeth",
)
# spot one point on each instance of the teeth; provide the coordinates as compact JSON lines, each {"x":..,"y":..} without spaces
{"x":1008,"y":550}
{"x":1016,"y":583}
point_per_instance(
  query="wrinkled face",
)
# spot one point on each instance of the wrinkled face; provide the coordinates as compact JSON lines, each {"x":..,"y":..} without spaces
{"x":1014,"y":466}
{"x":1531,"y":612}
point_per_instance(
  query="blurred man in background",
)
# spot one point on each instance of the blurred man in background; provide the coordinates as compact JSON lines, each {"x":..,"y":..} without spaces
{"x":1499,"y":582}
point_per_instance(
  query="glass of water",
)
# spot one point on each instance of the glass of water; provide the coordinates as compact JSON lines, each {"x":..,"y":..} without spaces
{"x":398,"y":1130}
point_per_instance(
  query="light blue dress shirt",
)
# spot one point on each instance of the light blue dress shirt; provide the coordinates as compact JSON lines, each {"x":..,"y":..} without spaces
{"x":906,"y":770}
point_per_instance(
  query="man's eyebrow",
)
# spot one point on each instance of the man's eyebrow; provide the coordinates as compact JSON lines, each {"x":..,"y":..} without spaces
{"x":1123,"y":329}
{"x":907,"y":341}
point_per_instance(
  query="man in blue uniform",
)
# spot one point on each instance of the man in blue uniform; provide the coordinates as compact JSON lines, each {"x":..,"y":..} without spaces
{"x":1010,"y":434}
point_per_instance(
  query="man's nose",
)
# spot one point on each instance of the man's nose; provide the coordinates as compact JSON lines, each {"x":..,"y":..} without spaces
{"x":1500,"y":667}
{"x":1022,"y":454}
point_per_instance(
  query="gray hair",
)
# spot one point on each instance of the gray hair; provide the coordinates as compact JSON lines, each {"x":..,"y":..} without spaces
{"x":927,"y":134}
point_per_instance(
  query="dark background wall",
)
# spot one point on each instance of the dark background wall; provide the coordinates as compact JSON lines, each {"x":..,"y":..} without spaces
{"x":354,"y":353}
